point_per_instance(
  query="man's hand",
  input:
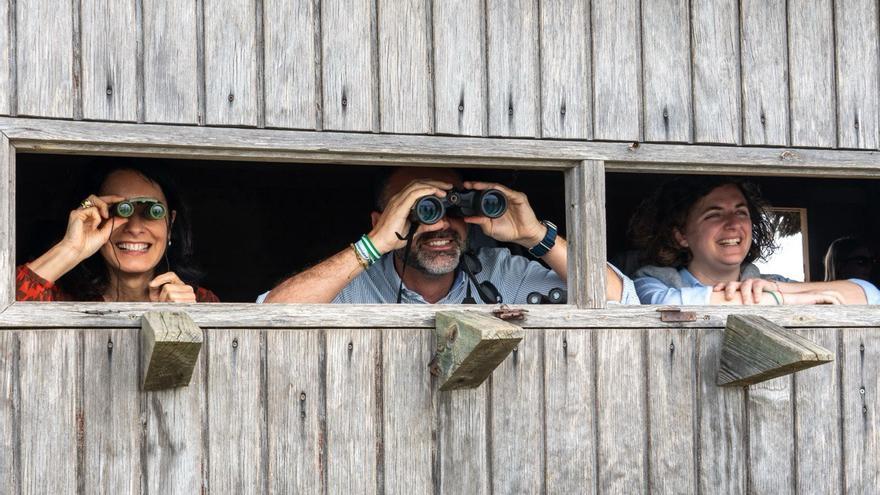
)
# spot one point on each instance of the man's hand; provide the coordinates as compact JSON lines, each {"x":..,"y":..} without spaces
{"x":395,"y":218}
{"x":518,"y":224}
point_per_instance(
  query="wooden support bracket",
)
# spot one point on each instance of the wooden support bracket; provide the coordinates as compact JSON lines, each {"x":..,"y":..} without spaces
{"x":170,"y":345}
{"x":755,"y":350}
{"x":470,"y":346}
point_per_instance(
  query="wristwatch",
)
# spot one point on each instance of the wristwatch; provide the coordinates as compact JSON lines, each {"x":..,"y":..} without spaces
{"x":547,"y":242}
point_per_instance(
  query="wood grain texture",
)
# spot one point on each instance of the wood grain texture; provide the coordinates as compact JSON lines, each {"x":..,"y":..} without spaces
{"x":292,"y":58}
{"x":771,"y":436}
{"x":811,"y":73}
{"x":721,"y":433}
{"x":462,"y":433}
{"x":408,"y":425}
{"x":620,"y":394}
{"x":109,"y":59}
{"x":469,"y":346}
{"x":861,"y":409}
{"x":296,"y":414}
{"x":817,"y":421}
{"x":566,"y":82}
{"x":764,"y":73}
{"x":6,"y":82}
{"x":460,"y":101}
{"x":111,"y":411}
{"x":170,"y":344}
{"x":44,"y":58}
{"x":617,"y":96}
{"x":10,"y":462}
{"x":170,"y":62}
{"x":235,"y":412}
{"x":715,"y":52}
{"x":513,"y":67}
{"x":858,"y":74}
{"x":230,"y":62}
{"x":517,"y":419}
{"x":353,"y":435}
{"x":570,"y":442}
{"x":49,"y":419}
{"x":585,"y":225}
{"x":671,"y":388}
{"x":405,"y":97}
{"x":667,"y":70}
{"x":347,"y":64}
{"x":173,"y":455}
{"x":7,"y":223}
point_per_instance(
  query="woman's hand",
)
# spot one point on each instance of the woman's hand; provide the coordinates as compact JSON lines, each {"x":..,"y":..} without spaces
{"x":88,"y":228}
{"x":815,"y":297}
{"x":169,"y":288}
{"x":750,"y":290}
{"x":518,"y":224}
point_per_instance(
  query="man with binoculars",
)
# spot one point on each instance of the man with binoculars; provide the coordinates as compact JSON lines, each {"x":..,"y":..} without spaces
{"x":438,"y":267}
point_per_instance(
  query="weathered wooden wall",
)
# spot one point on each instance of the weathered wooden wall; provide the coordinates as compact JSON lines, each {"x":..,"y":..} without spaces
{"x":790,"y":73}
{"x":355,"y":411}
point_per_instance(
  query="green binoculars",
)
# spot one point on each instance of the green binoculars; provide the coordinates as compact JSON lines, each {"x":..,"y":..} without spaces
{"x":153,"y":208}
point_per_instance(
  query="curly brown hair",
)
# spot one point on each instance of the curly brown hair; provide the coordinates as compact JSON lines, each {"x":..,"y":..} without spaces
{"x":652,"y":227}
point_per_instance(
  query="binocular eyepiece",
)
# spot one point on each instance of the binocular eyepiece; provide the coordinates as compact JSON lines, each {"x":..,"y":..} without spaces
{"x":555,"y":296}
{"x":429,"y":210}
{"x":153,"y":210}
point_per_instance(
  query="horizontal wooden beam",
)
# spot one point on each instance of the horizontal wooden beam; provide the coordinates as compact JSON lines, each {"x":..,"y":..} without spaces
{"x":35,"y":315}
{"x":59,"y":136}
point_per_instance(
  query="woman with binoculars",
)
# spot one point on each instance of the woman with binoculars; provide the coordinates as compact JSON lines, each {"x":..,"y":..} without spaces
{"x":145,"y":246}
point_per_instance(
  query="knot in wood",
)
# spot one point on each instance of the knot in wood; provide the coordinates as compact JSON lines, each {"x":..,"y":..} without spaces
{"x":230,"y":97}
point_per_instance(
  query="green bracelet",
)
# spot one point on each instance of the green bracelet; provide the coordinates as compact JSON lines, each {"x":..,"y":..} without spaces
{"x":370,"y":248}
{"x":775,"y":296}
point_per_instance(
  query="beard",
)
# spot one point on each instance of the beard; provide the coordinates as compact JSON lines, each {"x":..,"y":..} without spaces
{"x":433,"y":262}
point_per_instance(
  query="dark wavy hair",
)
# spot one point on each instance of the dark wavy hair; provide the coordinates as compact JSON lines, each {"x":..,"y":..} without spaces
{"x":652,"y":227}
{"x":89,"y":280}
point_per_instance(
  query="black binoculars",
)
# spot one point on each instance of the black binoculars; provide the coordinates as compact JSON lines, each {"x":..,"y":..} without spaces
{"x":429,"y":210}
{"x":154,"y":209}
{"x":555,"y":296}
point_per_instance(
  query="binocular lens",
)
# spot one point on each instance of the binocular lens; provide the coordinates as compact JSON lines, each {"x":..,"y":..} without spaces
{"x":156,"y":211}
{"x":493,"y":204}
{"x":429,"y":210}
{"x":124,"y":209}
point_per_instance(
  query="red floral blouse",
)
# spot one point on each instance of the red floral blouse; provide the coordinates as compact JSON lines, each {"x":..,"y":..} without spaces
{"x":32,"y":287}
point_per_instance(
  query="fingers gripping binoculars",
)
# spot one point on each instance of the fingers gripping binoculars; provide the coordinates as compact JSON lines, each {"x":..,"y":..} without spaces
{"x":153,"y":209}
{"x":429,"y":210}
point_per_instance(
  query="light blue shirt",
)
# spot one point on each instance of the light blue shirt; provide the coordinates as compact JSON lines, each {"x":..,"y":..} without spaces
{"x":693,"y":293}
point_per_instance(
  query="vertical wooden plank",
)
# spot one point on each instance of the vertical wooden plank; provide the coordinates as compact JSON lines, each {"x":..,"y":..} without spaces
{"x":462,"y":425}
{"x":621,"y":415}
{"x":44,"y":58}
{"x":568,"y":411}
{"x":771,"y":436}
{"x":667,"y":70}
{"x":172,"y":453}
{"x":514,"y":82}
{"x":861,"y":405}
{"x":292,"y":59}
{"x":353,"y":438}
{"x":9,"y":432}
{"x":109,"y":60}
{"x":617,"y":61}
{"x":235,"y":412}
{"x":811,"y":69}
{"x":715,"y":53}
{"x":585,"y":224}
{"x":858,"y":74}
{"x":817,"y":420}
{"x":49,"y":420}
{"x":5,"y":81}
{"x":517,"y":420}
{"x":722,"y":452}
{"x":170,"y":62}
{"x":230,"y":62}
{"x":404,"y":71}
{"x":764,"y":73}
{"x":408,"y":410}
{"x":296,"y":415}
{"x":671,"y":386}
{"x":347,"y":65}
{"x":459,"y":68}
{"x":566,"y":86}
{"x":111,"y":411}
{"x":7,"y":223}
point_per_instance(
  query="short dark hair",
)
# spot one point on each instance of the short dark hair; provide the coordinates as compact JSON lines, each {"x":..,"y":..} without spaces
{"x":652,"y":227}
{"x":88,"y":280}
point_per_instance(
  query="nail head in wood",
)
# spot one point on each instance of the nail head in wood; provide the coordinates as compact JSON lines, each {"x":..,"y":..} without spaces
{"x":755,"y":350}
{"x":470,"y":346}
{"x":170,"y":346}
